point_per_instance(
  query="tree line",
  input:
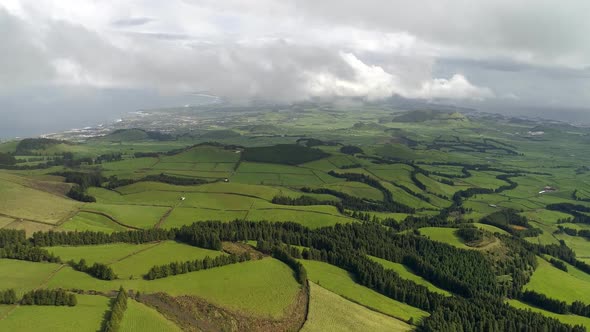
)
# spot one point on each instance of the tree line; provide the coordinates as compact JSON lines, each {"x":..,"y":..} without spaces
{"x":114,"y":317}
{"x":388,"y":202}
{"x":557,"y":306}
{"x":174,"y":268}
{"x":8,"y":296}
{"x":97,"y":270}
{"x":56,"y":297}
{"x":470,"y":274}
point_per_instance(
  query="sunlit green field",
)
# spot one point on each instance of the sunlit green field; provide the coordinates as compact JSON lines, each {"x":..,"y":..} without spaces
{"x":555,"y":283}
{"x":140,"y":318}
{"x":263,"y":287}
{"x":132,"y":261}
{"x":340,"y":282}
{"x":406,"y":273}
{"x":86,"y":316}
{"x":331,"y":312}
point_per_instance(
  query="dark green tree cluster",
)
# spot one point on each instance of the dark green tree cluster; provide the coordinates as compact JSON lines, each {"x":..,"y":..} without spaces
{"x":97,"y":270}
{"x":15,"y":245}
{"x":351,"y":149}
{"x":576,"y":210}
{"x":542,"y":301}
{"x":78,"y":194}
{"x":27,"y":146}
{"x":467,"y":273}
{"x":174,"y":268}
{"x":507,"y":218}
{"x":8,"y":296}
{"x":558,"y":264}
{"x":388,"y":203}
{"x":470,"y":234}
{"x":299,"y":201}
{"x":289,"y":154}
{"x":115,"y":316}
{"x":283,"y":254}
{"x":350,"y":166}
{"x":51,"y":238}
{"x":7,"y":159}
{"x":57,"y":297}
{"x":349,"y":202}
{"x":114,"y":182}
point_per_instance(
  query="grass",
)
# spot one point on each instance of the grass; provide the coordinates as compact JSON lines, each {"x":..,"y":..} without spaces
{"x":86,"y":316}
{"x":85,"y":221}
{"x":309,"y":216}
{"x":24,"y":202}
{"x":131,"y":215}
{"x":141,"y":318}
{"x":340,"y":282}
{"x":204,"y":154}
{"x":133,"y":260}
{"x":490,"y":228}
{"x":185,"y":216}
{"x":331,"y":312}
{"x":357,"y":189}
{"x":406,"y":273}
{"x":262,"y":288}
{"x":163,"y":253}
{"x":24,"y":276}
{"x":443,"y":234}
{"x":559,"y":284}
{"x":567,"y":319}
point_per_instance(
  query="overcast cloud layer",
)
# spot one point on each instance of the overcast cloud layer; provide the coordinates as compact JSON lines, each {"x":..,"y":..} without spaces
{"x":522,"y":53}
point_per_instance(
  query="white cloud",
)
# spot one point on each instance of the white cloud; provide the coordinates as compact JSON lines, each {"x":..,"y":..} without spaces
{"x":284,"y":49}
{"x":373,"y":82}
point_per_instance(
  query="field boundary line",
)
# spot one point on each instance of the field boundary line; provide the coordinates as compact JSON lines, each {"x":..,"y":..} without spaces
{"x":110,"y":218}
{"x":26,"y":219}
{"x":134,"y":253}
{"x":43,"y":283}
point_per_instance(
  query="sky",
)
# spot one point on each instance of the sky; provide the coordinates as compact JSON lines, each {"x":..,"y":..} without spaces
{"x":62,"y":61}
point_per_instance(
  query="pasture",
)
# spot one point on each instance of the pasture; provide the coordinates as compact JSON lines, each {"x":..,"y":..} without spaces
{"x":141,"y":318}
{"x":567,"y":319}
{"x":263,"y":288}
{"x":132,"y":261}
{"x":85,"y":221}
{"x":86,"y":316}
{"x":444,"y":234}
{"x":331,"y":312}
{"x":340,"y":282}
{"x":406,"y":273}
{"x":558,"y":284}
{"x":24,"y":276}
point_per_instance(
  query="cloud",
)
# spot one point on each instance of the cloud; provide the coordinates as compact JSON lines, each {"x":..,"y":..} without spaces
{"x":132,"y":21}
{"x":290,"y":50}
{"x":373,"y":82}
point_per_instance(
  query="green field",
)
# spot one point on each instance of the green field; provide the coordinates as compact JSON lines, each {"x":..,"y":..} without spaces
{"x":84,"y":221}
{"x":331,"y":312}
{"x":263,"y":288}
{"x":130,"y":215}
{"x":443,"y":234}
{"x":567,"y":319}
{"x":130,"y":261}
{"x":24,"y":276}
{"x":140,"y":318}
{"x":86,"y":316}
{"x":555,"y":283}
{"x":21,"y":200}
{"x":406,"y":273}
{"x":340,"y":282}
